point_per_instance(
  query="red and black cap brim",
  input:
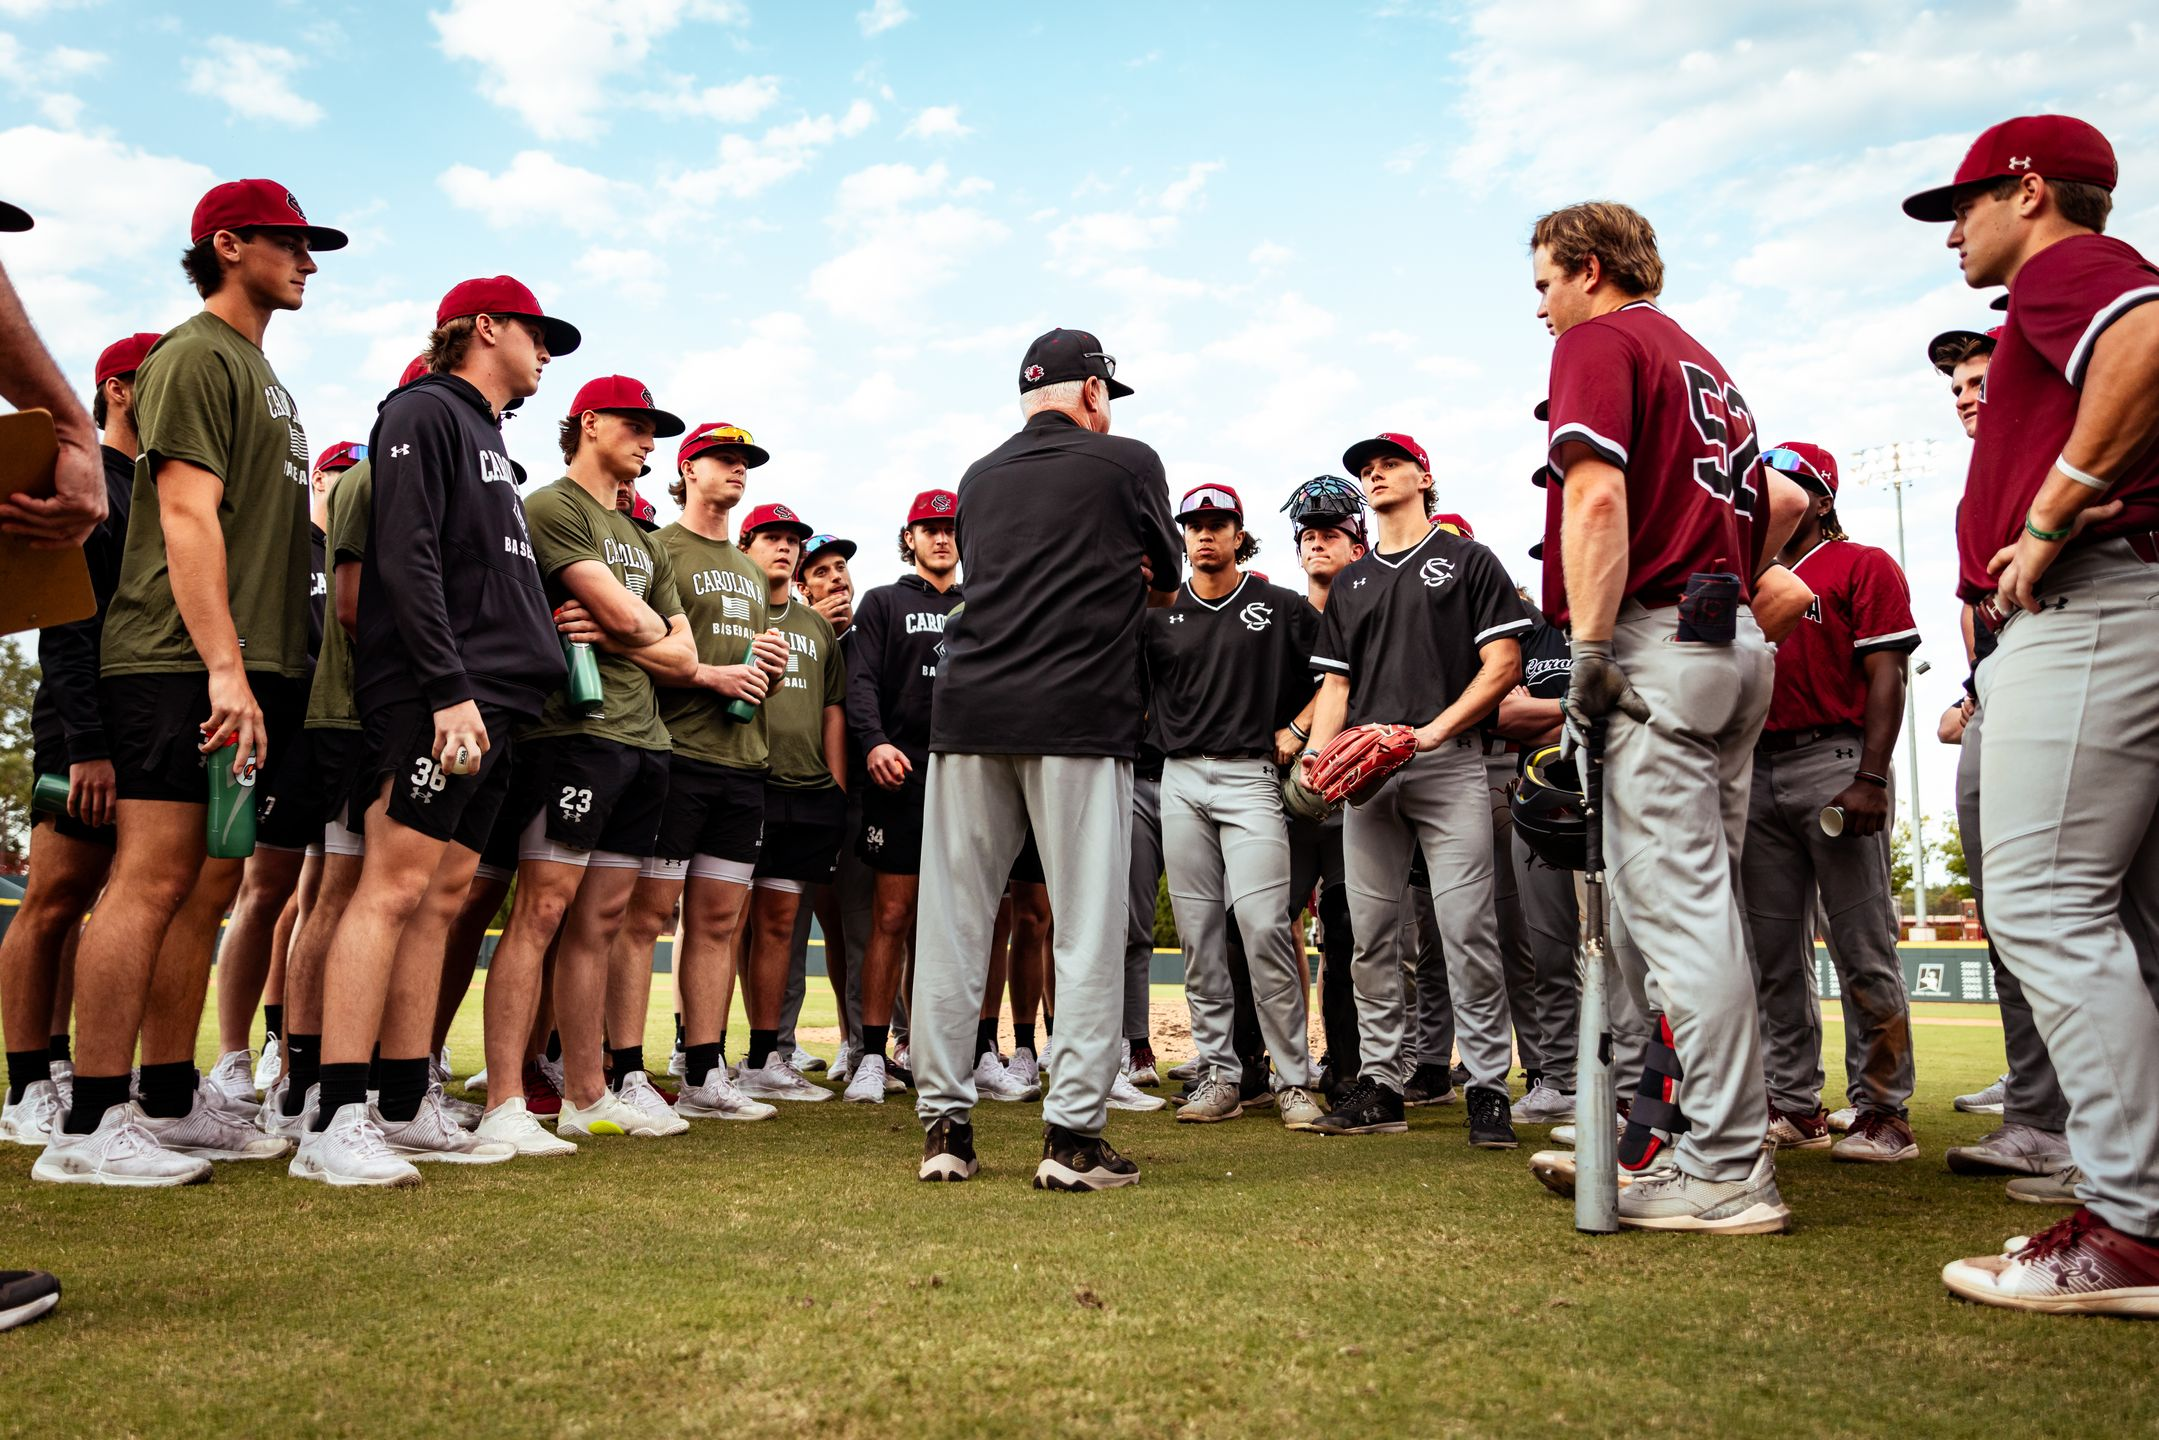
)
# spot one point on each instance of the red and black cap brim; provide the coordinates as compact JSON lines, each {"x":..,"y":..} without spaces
{"x":319,"y":237}
{"x":665,"y":424}
{"x":1208,"y":512}
{"x":561,"y":337}
{"x":1999,"y":302}
{"x":1358,"y":455}
{"x":752,"y":455}
{"x":793,"y":527}
{"x":14,"y":219}
{"x":1936,"y":206}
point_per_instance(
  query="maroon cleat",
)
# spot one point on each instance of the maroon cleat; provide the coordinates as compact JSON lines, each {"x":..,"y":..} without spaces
{"x":2079,"y":1266}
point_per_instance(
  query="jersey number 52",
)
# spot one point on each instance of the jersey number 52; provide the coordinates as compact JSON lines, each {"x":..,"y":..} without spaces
{"x":1726,"y":425}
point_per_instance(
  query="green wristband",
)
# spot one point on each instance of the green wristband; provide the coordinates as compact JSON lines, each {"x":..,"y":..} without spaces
{"x":2047,"y":535}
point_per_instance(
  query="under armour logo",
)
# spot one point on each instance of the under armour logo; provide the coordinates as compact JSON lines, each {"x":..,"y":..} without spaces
{"x":1358,"y":583}
{"x":1176,"y":619}
{"x":2059,"y":603}
{"x":1845,"y":754}
{"x":400,"y":451}
{"x":2020,"y":162}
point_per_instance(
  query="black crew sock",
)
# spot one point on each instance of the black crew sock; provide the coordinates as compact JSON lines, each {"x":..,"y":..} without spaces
{"x":61,"y":1051}
{"x":623,"y":1059}
{"x":94,"y":1095}
{"x":875,"y":1038}
{"x":985,"y":1037}
{"x":762,"y":1044}
{"x":273,"y":1021}
{"x":374,"y":1068}
{"x":1023,"y":1037}
{"x":342,"y":1085}
{"x":1049,"y":1023}
{"x":404,"y":1085}
{"x":168,"y":1090}
{"x":679,"y":1038}
{"x":554,"y":1045}
{"x":303,"y":1071}
{"x":699,"y":1061}
{"x":24,"y":1069}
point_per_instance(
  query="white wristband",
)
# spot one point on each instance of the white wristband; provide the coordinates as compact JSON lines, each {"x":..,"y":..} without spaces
{"x":2085,"y":478}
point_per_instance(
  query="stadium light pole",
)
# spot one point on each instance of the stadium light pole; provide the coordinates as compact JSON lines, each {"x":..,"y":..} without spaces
{"x":1898,"y":464}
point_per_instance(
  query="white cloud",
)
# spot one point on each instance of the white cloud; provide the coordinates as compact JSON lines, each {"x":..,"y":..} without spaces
{"x":747,"y":167}
{"x":1404,"y":160}
{"x":1267,"y":255}
{"x":886,"y":187}
{"x":938,"y":122}
{"x":737,"y":103}
{"x":883,"y":15}
{"x":539,"y":189}
{"x":901,"y":246}
{"x":252,"y":80}
{"x":629,"y":274}
{"x":42,"y":75}
{"x":1184,"y":191}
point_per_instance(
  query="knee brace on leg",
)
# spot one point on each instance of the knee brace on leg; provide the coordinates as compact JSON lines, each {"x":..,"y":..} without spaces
{"x":1655,"y":1104}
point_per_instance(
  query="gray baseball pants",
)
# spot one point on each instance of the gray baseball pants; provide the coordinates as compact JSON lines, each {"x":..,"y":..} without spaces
{"x":1227,"y":850}
{"x":852,"y":885}
{"x":1787,"y":859}
{"x":1438,"y":803}
{"x":978,"y":811}
{"x":1546,"y":1001}
{"x":1425,"y":973}
{"x":1675,"y":822}
{"x":1139,"y":909}
{"x":2069,"y":808}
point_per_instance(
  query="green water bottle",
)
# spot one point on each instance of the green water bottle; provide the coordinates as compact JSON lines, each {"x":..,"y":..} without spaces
{"x":742,"y":712}
{"x":49,"y":795}
{"x":587,"y":695}
{"x":232,"y":805}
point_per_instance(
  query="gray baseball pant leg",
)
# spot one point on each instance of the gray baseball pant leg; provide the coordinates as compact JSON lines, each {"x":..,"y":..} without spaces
{"x":1532,"y":1028}
{"x":1139,"y":910}
{"x":1676,"y":791}
{"x":2032,"y":1096}
{"x":1436,"y":802}
{"x":1433,"y":1042}
{"x":2069,"y":792}
{"x":1552,"y":924}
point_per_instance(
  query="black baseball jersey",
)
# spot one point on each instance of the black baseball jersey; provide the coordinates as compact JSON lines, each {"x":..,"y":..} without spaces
{"x":1547,"y":661}
{"x":1227,"y":674}
{"x":1407,"y":630}
{"x":318,"y":589}
{"x":892,"y":659}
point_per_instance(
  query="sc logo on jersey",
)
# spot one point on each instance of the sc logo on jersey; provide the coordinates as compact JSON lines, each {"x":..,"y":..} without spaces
{"x":1256,"y":616}
{"x":1436,"y":572}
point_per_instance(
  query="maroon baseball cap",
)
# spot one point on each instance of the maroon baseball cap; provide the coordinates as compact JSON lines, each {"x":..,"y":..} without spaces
{"x":2059,"y":147}
{"x":124,"y":357}
{"x":619,"y":394}
{"x":1810,"y":466}
{"x":712,"y":435}
{"x":1456,"y":525}
{"x":775,"y":517}
{"x":14,"y":219}
{"x":343,"y":455}
{"x":259,"y":205}
{"x":413,"y":371}
{"x":643,"y":511}
{"x":934,"y":505}
{"x":502,"y":295}
{"x":1387,"y":442}
{"x":1939,"y":348}
{"x":1205,"y":500}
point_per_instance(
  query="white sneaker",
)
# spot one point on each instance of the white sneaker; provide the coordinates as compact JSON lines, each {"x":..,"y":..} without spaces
{"x":276,"y":1122}
{"x":902,"y":1059}
{"x":612,"y":1115}
{"x":438,"y":1066}
{"x":433,"y":1134}
{"x":478,"y":1080}
{"x":271,"y":1064}
{"x":1987,"y":1101}
{"x":678,"y":1064}
{"x":868,"y":1085}
{"x":804,"y":1061}
{"x":1144,"y":1076}
{"x":843,"y":1062}
{"x":234,"y":1076}
{"x":1024,"y":1068}
{"x":30,"y":1120}
{"x":511,"y":1121}
{"x":994,"y":1082}
{"x":778,"y":1080}
{"x":637,"y":1092}
{"x":351,"y":1152}
{"x":63,"y":1083}
{"x":119,"y":1152}
{"x":212,"y":1133}
{"x":718,"y":1099}
{"x":464,"y":1113}
{"x":1840,"y":1121}
{"x":1124,"y":1095}
{"x":552,"y":1069}
{"x":1545,"y":1104}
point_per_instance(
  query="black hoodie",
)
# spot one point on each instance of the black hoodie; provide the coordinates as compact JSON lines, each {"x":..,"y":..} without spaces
{"x":892,"y":652}
{"x":451,"y":605}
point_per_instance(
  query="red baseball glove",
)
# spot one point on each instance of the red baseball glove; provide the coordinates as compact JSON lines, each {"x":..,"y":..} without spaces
{"x":1358,"y":761}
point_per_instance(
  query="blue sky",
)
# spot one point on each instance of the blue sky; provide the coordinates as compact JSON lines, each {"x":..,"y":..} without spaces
{"x":839,"y":223}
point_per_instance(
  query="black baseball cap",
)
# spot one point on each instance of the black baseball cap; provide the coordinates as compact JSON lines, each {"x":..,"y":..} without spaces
{"x":13,"y":218}
{"x":1069,"y":355}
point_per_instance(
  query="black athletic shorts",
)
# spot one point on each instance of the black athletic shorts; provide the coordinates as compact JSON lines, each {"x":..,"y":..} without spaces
{"x":804,"y":830}
{"x":1027,"y":869}
{"x":289,"y":806}
{"x":714,"y":811}
{"x":337,"y":756}
{"x":155,"y":725}
{"x":498,"y":857}
{"x":48,"y":756}
{"x":398,"y":741}
{"x":891,"y":838}
{"x":596,"y":794}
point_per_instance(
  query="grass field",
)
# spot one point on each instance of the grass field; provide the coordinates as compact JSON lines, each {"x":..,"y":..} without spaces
{"x":792,"y":1279}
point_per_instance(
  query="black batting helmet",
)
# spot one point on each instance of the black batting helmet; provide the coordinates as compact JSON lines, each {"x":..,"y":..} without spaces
{"x":1550,"y":810}
{"x":1326,"y":502}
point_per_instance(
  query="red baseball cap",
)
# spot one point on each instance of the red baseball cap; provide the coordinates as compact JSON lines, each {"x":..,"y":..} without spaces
{"x":619,"y":394}
{"x":413,"y":371}
{"x":14,"y":219}
{"x":775,"y":517}
{"x":1455,"y":524}
{"x":2059,"y":147}
{"x":124,"y":357}
{"x":1812,"y":467}
{"x":934,"y":505}
{"x":1203,"y":500}
{"x":1940,"y":347}
{"x":502,"y":295}
{"x":712,"y":435}
{"x":261,"y":205}
{"x":343,"y":455}
{"x":1356,"y":456}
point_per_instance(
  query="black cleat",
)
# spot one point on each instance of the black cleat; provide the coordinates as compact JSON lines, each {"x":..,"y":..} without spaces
{"x":1365,"y":1108}
{"x":1459,"y":1075}
{"x":1428,"y":1084}
{"x":948,"y":1151}
{"x":26,"y":1295}
{"x":1489,"y":1125}
{"x":1081,"y":1162}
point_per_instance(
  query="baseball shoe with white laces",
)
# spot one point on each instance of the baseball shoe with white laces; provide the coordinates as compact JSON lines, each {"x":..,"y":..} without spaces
{"x":867,"y":1087}
{"x":234,"y":1077}
{"x":211,"y":1132}
{"x":119,"y":1152}
{"x":351,"y":1153}
{"x":994,"y":1082}
{"x":2078,"y":1266}
{"x":434,"y":1134}
{"x":1989,"y":1101}
{"x":638,"y":1092}
{"x":1674,"y":1200}
{"x":718,"y":1099}
{"x":511,"y":1121}
{"x":270,"y":1064}
{"x":30,"y":1120}
{"x":777,"y":1079}
{"x":1545,"y":1104}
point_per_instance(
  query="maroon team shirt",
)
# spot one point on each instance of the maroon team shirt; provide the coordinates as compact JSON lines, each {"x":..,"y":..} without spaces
{"x":1862,"y":607}
{"x":1642,"y":394}
{"x":2064,"y":299}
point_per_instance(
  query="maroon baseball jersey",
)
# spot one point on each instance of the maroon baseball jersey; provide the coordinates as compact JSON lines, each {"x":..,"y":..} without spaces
{"x":2064,"y":299}
{"x":1861,"y":607}
{"x":1642,"y":394}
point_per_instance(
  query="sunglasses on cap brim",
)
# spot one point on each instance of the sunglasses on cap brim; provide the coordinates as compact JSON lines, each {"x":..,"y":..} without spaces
{"x":1796,"y":465}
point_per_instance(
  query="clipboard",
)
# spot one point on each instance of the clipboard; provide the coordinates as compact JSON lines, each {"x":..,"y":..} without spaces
{"x":38,"y":588}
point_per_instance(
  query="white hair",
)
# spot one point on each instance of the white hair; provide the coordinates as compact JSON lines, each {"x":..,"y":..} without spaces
{"x":1057,"y":395}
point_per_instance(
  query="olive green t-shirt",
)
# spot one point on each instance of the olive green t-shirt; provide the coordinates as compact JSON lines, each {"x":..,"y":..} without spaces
{"x":568,"y":525}
{"x":205,"y":394}
{"x":795,"y":710}
{"x":329,"y":701}
{"x":723,"y":592}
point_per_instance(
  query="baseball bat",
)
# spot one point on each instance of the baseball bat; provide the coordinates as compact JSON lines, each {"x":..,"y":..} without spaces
{"x":1596,"y":1146}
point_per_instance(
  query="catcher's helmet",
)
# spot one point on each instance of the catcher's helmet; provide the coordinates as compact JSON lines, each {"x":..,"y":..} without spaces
{"x":1326,"y":502}
{"x":1550,"y":810}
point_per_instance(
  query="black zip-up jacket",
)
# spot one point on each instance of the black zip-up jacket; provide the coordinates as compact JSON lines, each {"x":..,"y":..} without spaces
{"x":451,"y":605}
{"x":65,"y":714}
{"x":896,"y":642}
